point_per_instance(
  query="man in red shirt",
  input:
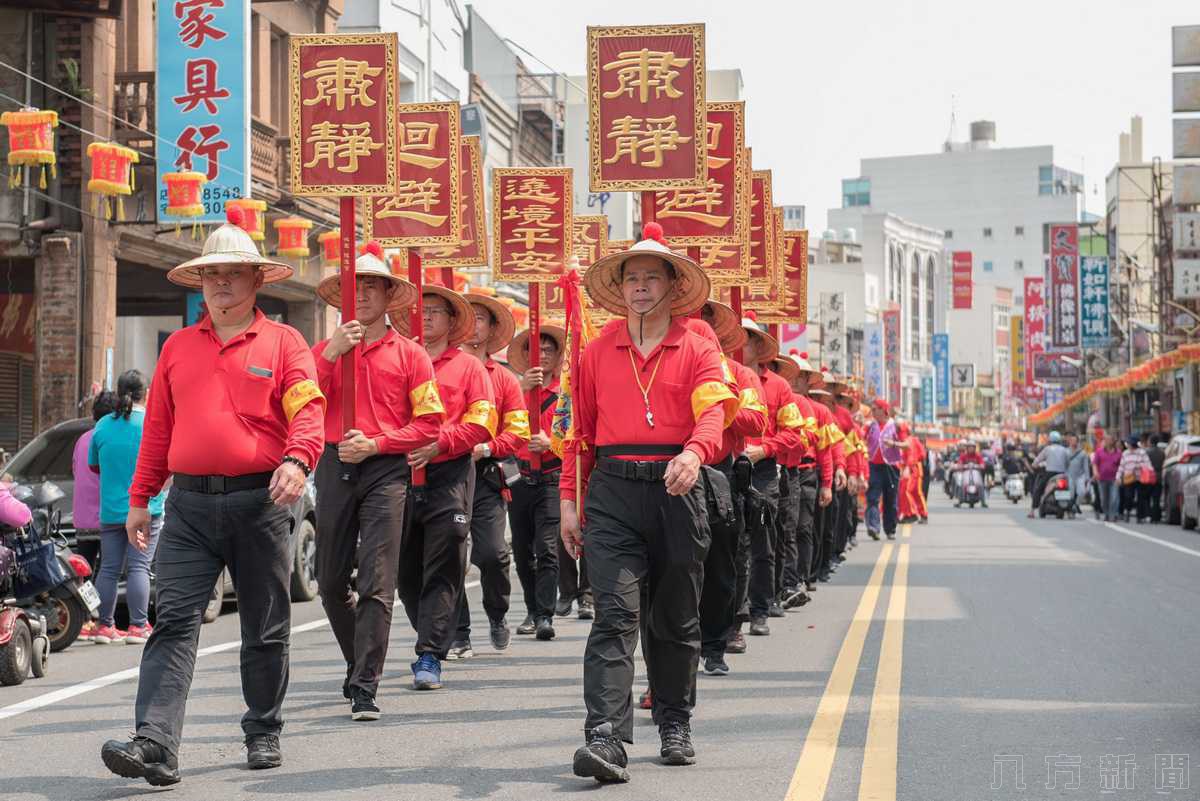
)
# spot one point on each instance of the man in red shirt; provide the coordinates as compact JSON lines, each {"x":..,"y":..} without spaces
{"x":649,"y":406}
{"x":812,"y":471}
{"x":494,"y":329}
{"x":834,"y":438}
{"x":433,"y":553}
{"x":844,"y":401}
{"x":363,"y":476}
{"x":534,"y":514}
{"x":249,"y":385}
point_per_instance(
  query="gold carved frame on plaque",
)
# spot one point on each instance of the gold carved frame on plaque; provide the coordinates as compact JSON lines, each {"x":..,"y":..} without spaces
{"x":568,"y":217}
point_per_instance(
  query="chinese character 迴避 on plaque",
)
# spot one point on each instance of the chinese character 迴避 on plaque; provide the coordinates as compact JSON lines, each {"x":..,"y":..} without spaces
{"x":472,"y":248}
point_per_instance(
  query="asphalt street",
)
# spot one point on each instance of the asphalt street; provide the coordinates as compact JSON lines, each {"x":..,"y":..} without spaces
{"x":982,"y":656}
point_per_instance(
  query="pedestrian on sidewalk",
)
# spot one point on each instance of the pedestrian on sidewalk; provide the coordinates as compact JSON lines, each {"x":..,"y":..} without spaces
{"x":1105,"y":460}
{"x":533,"y":516}
{"x":247,"y":384}
{"x":494,"y":329}
{"x":113,"y":455}
{"x":649,"y":407}
{"x":884,"y":457}
{"x":433,"y":552}
{"x":1137,"y":474}
{"x":1156,"y":452}
{"x":85,"y":495}
{"x":362,"y":479}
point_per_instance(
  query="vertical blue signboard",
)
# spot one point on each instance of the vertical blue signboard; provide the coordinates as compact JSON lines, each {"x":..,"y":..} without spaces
{"x":941,"y":369}
{"x":202,"y":99}
{"x":1093,"y":307}
{"x":927,"y":398}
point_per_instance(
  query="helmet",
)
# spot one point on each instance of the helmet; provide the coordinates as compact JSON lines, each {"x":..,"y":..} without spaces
{"x":1055,"y":437}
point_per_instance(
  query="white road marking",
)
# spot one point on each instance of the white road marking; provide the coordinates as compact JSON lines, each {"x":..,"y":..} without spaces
{"x":51,"y":698}
{"x":1156,"y":540}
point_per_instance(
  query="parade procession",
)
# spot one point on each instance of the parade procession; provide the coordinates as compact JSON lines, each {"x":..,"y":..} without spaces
{"x":541,"y":448}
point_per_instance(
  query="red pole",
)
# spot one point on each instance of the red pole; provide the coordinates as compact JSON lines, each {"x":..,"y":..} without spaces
{"x":535,"y":358}
{"x":349,"y":312}
{"x":648,"y":211}
{"x":448,"y":277}
{"x":417,"y":327}
{"x":735,"y":301}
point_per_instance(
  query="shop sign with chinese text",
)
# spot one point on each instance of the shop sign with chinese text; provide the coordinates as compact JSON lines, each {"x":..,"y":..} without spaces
{"x":961,"y":280}
{"x":1064,"y":286}
{"x":1035,"y":331}
{"x":202,"y":99}
{"x":1093,"y":302}
{"x":891,"y":354}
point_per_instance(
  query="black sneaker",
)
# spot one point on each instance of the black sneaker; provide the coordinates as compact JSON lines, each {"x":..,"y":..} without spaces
{"x":364,"y":706}
{"x":262,"y":751}
{"x":545,"y":629}
{"x":715,"y":665}
{"x":794,"y":597}
{"x":676,"y":744}
{"x":776,"y":610}
{"x":460,"y":649}
{"x":603,"y":758}
{"x":736,"y":644}
{"x":527,"y":626}
{"x":811,"y":586}
{"x":759,"y":627}
{"x":346,"y":693}
{"x":500,"y":634}
{"x":892,"y":536}
{"x":586,"y":610}
{"x":563,"y":607}
{"x":140,"y":758}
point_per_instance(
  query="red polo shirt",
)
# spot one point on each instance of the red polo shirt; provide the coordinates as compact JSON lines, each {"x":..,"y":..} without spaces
{"x":467,"y":395}
{"x":510,"y":418}
{"x":783,"y":418}
{"x":551,"y":458}
{"x":688,"y":397}
{"x":397,"y":402}
{"x":830,"y":454}
{"x":807,"y":448}
{"x":229,"y":409}
{"x":751,"y":419}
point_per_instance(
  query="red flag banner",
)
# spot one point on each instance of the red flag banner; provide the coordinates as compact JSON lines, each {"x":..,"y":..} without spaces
{"x":1064,"y":286}
{"x":646,"y":122}
{"x":718,"y":213}
{"x":472,"y":248}
{"x":961,"y":279}
{"x":342,"y":114}
{"x":425,"y":208}
{"x":1035,"y":331}
{"x":532,"y":223}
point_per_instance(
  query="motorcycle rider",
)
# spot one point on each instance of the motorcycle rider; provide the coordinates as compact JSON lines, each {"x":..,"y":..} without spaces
{"x":1053,"y":460}
{"x":969,"y":456}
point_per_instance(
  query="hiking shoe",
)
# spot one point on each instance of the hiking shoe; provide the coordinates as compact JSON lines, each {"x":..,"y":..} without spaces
{"x":427,"y":673}
{"x":736,"y":644}
{"x":364,"y":706}
{"x":776,"y":610}
{"x":563,"y":607}
{"x":527,"y":627}
{"x":262,"y":751}
{"x":460,"y":649}
{"x":586,"y":610}
{"x":794,"y":597}
{"x":139,"y":634}
{"x":603,"y":758}
{"x":715,"y":665}
{"x":109,"y":635}
{"x":140,"y":758}
{"x":759,"y":627}
{"x":545,"y":629}
{"x":346,"y":693}
{"x":646,"y":701}
{"x":676,"y":744}
{"x":501,"y":634}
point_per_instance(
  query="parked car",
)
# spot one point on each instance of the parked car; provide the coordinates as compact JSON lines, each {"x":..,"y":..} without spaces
{"x":48,"y":457}
{"x":1181,"y":463}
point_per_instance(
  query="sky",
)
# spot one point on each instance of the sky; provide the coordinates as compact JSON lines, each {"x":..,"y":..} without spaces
{"x":828,"y":83}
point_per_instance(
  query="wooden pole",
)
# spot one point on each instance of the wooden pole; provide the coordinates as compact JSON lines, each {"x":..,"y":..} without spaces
{"x":349,"y":312}
{"x":535,"y":358}
{"x":735,"y":301}
{"x":417,"y":327}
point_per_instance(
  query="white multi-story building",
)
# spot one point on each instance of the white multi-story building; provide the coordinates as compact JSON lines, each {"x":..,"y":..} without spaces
{"x":997,"y":203}
{"x":429,"y":33}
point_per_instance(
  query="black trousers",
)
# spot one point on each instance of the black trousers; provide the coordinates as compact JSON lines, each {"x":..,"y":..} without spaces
{"x":639,"y":537}
{"x":361,"y":523}
{"x":719,"y":598}
{"x":761,"y":512}
{"x":845,"y":518}
{"x":1040,"y":477}
{"x":572,"y":576}
{"x":830,"y":520}
{"x":433,"y":553}
{"x":786,"y":546}
{"x":489,"y":549}
{"x":807,"y":485}
{"x":201,"y":536}
{"x":534,"y":518}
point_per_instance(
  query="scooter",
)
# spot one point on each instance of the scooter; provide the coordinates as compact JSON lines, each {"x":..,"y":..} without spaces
{"x":1058,"y":499}
{"x":1014,"y":487}
{"x":970,"y":487}
{"x":63,"y":595}
{"x":24,"y":646}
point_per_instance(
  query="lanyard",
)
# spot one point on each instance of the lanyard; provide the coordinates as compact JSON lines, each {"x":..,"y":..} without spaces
{"x":645,"y":390}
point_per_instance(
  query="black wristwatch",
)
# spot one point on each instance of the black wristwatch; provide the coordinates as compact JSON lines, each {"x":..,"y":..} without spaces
{"x":299,"y":463}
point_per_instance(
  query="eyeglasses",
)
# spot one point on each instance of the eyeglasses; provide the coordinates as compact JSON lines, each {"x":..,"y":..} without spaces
{"x":428,"y":313}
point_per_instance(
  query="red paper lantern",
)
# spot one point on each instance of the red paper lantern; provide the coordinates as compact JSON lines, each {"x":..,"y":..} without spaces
{"x":331,"y":248}
{"x":254,"y":219}
{"x":183,"y":196}
{"x":30,"y":142}
{"x":293,"y":238}
{"x":112,"y":174}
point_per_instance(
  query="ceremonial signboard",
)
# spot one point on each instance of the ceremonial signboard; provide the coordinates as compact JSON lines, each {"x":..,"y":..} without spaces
{"x":718,"y":212}
{"x":791,"y":298}
{"x":471,"y":250}
{"x":646,"y":121}
{"x":891,"y":355}
{"x":723,"y":264}
{"x":618,"y":245}
{"x":343,"y":114}
{"x":761,"y":250}
{"x":590,"y":239}
{"x":425,"y":209}
{"x":531,"y":223}
{"x":765,"y":292}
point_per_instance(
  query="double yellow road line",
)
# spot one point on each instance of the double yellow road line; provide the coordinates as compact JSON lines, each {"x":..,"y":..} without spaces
{"x":880,"y":755}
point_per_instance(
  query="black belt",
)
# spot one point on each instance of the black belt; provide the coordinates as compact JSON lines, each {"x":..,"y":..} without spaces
{"x":634,"y":471}
{"x":548,"y":466}
{"x":806,"y":466}
{"x":725,"y":465}
{"x":222,"y":485}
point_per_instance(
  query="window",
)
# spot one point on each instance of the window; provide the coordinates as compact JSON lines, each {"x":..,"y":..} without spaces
{"x":987,"y":233}
{"x":856,"y":192}
{"x":1019,"y":230}
{"x":949,"y":234}
{"x":987,"y":267}
{"x":1057,"y":181}
{"x":914,"y":308}
{"x":1018,"y":265}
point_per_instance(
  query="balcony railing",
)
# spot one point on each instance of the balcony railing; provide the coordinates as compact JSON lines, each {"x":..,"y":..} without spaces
{"x":133,"y":106}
